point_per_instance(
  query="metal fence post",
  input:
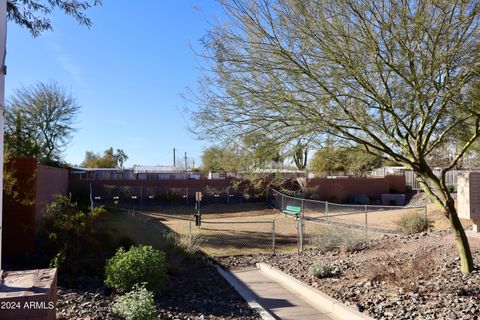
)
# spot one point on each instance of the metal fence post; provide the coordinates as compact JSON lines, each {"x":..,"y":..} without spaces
{"x":298,"y":236}
{"x":190,"y":232}
{"x":366,"y":222}
{"x":282,"y":203}
{"x":273,"y":235}
{"x":301,"y":233}
{"x":326,"y":209}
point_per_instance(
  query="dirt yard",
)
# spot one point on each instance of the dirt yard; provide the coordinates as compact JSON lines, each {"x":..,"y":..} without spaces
{"x":247,"y":228}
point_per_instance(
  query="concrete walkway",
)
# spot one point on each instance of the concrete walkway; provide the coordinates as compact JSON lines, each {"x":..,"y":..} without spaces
{"x":277,"y":301}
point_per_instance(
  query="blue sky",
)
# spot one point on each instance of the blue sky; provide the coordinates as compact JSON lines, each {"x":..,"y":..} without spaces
{"x":127,"y":71}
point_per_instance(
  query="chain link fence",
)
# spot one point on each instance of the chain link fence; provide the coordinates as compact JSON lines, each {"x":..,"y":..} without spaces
{"x":272,"y":231}
{"x":216,"y":237}
{"x":350,"y":220}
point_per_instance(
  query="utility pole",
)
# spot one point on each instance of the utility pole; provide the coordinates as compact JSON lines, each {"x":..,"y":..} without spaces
{"x":186,"y":169}
{"x":3,"y":72}
{"x":174,"y":157}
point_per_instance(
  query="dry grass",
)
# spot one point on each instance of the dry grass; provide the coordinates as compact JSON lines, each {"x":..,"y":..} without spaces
{"x":231,"y":238}
{"x":401,"y":271}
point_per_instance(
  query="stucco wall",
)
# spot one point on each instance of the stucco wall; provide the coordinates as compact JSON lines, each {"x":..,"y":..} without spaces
{"x":49,"y":181}
{"x":37,"y":184}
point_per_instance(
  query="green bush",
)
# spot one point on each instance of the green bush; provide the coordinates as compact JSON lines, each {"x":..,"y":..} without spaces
{"x":321,"y":269}
{"x":137,"y":304}
{"x":361,"y":199}
{"x":345,"y":239}
{"x":413,"y":222}
{"x":140,"y":264}
{"x":451,"y":188}
{"x":174,"y":194}
{"x":67,"y":236}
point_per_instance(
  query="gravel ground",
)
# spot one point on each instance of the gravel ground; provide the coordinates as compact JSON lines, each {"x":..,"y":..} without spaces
{"x":397,"y":277}
{"x":200,"y":293}
{"x":418,"y":199}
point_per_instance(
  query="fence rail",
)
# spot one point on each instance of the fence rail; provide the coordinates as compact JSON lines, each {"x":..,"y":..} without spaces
{"x":370,"y":219}
{"x":216,"y":237}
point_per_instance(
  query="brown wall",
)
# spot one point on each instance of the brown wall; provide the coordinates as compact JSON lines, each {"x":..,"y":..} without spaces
{"x":50,"y":181}
{"x":36,"y":184}
{"x":158,"y":187}
{"x":344,"y":188}
{"x":19,"y":219}
{"x":327,"y":189}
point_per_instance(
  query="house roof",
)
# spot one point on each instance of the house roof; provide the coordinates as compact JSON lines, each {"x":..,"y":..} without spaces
{"x":80,"y":169}
{"x":156,"y":169}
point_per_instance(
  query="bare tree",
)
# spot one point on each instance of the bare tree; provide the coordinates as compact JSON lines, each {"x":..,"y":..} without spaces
{"x":391,"y":76}
{"x":42,"y":115}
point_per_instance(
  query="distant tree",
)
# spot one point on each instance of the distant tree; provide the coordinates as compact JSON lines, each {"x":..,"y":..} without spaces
{"x":120,"y":157}
{"x":221,"y":159}
{"x":360,"y":162}
{"x":34,"y":14}
{"x":353,"y":161}
{"x":261,"y":150}
{"x":329,"y":160}
{"x":109,"y":159}
{"x":39,"y":121}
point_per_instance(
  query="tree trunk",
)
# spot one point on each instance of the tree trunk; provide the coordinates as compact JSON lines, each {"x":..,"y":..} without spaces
{"x":445,"y":200}
{"x":461,"y":240}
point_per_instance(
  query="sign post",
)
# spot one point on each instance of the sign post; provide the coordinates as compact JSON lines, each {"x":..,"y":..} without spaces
{"x":198,"y":214}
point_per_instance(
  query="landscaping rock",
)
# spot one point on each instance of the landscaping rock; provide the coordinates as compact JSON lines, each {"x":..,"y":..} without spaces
{"x":438,"y":290}
{"x":200,"y":293}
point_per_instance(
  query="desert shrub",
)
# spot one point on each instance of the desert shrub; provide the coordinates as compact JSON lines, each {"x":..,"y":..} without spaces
{"x":212,"y":191}
{"x":402,"y":271}
{"x":137,"y":304}
{"x":393,"y":190}
{"x":140,"y":264}
{"x":413,"y":222}
{"x":190,"y":244}
{"x":67,"y":236}
{"x":361,"y":199}
{"x":451,"y":188}
{"x":321,"y":269}
{"x":81,"y":196}
{"x":345,"y":239}
{"x":334,"y":199}
{"x":174,"y":194}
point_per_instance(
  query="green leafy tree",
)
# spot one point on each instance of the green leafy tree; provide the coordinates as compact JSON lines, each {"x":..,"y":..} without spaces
{"x":390,"y":76}
{"x":350,"y":160}
{"x":34,"y":15}
{"x":39,"y":121}
{"x":261,"y":150}
{"x":329,"y":160}
{"x":109,"y":159}
{"x":360,"y":162}
{"x":221,"y":159}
